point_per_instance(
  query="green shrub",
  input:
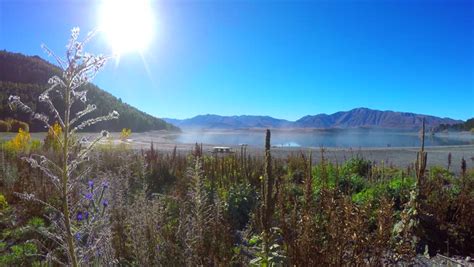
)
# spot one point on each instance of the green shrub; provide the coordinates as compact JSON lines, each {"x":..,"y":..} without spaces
{"x":399,"y":187}
{"x":3,"y":203}
{"x":19,"y":255}
{"x":357,"y":166}
{"x":36,"y":222}
{"x":352,"y":183}
{"x":364,"y":196}
{"x":241,"y":200}
{"x":437,"y":172}
{"x":35,"y":145}
{"x":330,"y":171}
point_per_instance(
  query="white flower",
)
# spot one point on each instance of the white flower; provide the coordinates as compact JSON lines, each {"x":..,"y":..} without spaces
{"x":13,"y":98}
{"x":114,"y":114}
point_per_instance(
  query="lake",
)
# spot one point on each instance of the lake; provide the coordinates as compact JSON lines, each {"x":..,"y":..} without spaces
{"x":343,"y":138}
{"x":325,"y":138}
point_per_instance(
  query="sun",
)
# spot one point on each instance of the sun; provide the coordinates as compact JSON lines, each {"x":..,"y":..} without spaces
{"x":127,"y":24}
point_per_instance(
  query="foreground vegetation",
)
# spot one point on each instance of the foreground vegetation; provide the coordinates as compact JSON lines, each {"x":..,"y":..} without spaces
{"x":67,"y":200}
{"x":196,"y":209}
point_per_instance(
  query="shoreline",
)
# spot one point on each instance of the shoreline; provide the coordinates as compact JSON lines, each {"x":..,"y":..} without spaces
{"x":401,"y":157}
{"x":396,"y":156}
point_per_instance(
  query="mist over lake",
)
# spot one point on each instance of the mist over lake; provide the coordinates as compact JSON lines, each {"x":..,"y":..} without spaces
{"x":325,"y":138}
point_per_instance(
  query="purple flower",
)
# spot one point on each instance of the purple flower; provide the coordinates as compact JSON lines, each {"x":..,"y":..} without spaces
{"x":80,"y":216}
{"x":88,"y":196}
{"x":105,"y":203}
{"x":105,"y":184}
{"x":78,"y":236}
{"x":86,"y":215}
{"x":91,"y":183}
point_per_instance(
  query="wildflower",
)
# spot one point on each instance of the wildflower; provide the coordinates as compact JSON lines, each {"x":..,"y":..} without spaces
{"x":79,"y":216}
{"x":86,"y":215}
{"x":78,"y":236}
{"x":105,"y":203}
{"x":91,"y":184}
{"x":88,"y":196}
{"x":105,"y":184}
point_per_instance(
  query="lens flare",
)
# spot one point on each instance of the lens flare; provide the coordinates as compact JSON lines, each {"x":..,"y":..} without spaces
{"x":127,"y":24}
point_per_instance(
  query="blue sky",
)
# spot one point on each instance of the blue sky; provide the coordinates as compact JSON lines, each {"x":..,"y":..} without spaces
{"x":285,"y":59}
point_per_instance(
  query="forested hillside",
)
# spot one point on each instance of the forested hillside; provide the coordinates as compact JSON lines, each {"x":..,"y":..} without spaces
{"x":27,"y":77}
{"x":465,"y":126}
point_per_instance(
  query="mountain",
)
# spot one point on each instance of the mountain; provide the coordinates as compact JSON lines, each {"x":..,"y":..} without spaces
{"x":364,"y":117}
{"x":27,"y":77}
{"x":210,"y":121}
{"x":359,"y":117}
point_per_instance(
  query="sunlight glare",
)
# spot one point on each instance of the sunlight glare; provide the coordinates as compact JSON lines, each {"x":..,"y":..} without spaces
{"x":128,"y":24}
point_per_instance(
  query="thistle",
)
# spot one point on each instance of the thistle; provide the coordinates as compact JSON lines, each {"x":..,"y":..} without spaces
{"x":421,"y":157}
{"x":66,"y":174}
{"x":450,"y":158}
{"x":463,"y":167}
{"x":268,"y":205}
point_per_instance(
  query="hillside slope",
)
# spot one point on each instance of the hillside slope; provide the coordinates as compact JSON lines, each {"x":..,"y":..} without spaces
{"x":364,"y":117}
{"x":27,"y":76}
{"x":465,"y":126}
{"x":359,"y":117}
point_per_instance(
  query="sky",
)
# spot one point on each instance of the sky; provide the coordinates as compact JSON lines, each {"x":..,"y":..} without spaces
{"x":285,"y":59}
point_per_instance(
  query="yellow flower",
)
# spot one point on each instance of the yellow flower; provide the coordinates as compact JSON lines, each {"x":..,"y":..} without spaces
{"x":20,"y":142}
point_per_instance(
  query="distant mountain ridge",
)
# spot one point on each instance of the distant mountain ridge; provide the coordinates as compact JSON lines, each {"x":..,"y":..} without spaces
{"x":230,"y":122}
{"x":27,"y":77}
{"x":355,"y":118}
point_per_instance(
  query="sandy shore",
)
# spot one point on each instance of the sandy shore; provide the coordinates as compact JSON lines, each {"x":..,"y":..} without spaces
{"x":400,"y":157}
{"x":396,"y":156}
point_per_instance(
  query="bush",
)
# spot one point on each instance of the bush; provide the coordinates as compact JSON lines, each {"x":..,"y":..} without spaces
{"x":3,"y":203}
{"x":364,"y":196}
{"x":399,"y":190}
{"x":19,"y":143}
{"x":357,"y":166}
{"x":20,"y":255}
{"x":241,"y":200}
{"x":36,"y":222}
{"x":352,"y":183}
{"x":35,"y":145}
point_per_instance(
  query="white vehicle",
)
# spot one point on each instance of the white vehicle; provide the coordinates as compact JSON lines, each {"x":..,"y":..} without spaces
{"x":222,"y":149}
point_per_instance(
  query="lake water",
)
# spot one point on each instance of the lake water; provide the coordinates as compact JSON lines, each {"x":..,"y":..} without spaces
{"x":325,"y":138}
{"x":347,"y":138}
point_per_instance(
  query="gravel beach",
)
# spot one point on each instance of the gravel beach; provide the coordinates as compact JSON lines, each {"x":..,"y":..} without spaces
{"x":396,"y":156}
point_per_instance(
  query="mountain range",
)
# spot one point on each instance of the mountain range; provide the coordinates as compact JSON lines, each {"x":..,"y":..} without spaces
{"x":355,"y":118}
{"x":27,"y":77}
